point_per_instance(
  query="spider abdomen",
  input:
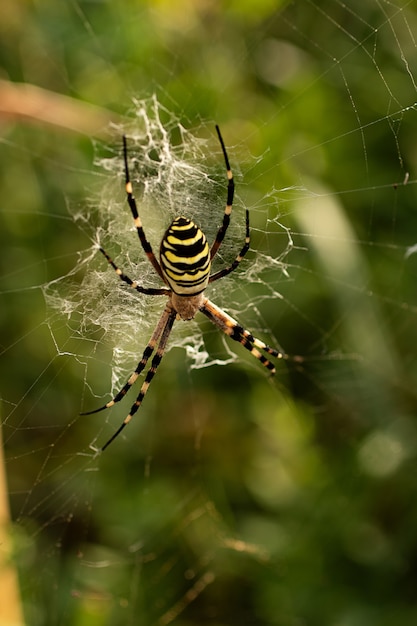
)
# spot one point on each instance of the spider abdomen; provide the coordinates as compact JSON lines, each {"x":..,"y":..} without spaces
{"x":185,"y":257}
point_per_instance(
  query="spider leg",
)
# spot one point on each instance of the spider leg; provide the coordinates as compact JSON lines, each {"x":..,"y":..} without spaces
{"x":167,"y":321}
{"x":227,"y":270}
{"x":147,"y":248}
{"x":229,"y":202}
{"x":142,"y":363}
{"x":235,"y":331}
{"x":132,"y":283}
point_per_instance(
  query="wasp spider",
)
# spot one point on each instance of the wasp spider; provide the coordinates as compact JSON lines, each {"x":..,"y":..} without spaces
{"x":184,"y":266}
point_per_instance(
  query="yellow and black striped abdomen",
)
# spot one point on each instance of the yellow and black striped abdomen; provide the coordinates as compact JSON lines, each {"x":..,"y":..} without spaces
{"x":185,"y":257}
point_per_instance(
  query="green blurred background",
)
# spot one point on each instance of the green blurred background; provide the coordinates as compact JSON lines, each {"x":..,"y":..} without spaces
{"x":234,"y":499}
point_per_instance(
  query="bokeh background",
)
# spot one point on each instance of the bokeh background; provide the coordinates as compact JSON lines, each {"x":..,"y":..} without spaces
{"x":234,"y":499}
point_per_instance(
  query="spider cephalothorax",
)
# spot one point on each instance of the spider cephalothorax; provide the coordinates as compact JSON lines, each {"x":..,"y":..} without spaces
{"x":184,"y":266}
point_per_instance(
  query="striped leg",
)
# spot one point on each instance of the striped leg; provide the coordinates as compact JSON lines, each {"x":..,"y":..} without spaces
{"x":165,"y":326}
{"x":229,"y":202}
{"x":142,"y":363}
{"x":235,"y":331}
{"x":132,"y":283}
{"x":147,"y":248}
{"x":227,"y":270}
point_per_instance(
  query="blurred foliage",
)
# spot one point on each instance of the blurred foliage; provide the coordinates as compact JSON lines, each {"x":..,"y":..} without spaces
{"x":233,"y":499}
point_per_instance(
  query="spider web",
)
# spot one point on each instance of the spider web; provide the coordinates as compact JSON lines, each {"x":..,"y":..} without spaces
{"x":170,"y":168}
{"x":232,"y":497}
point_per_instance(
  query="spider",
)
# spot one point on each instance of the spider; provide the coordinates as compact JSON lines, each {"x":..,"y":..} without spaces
{"x":184,"y":266}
